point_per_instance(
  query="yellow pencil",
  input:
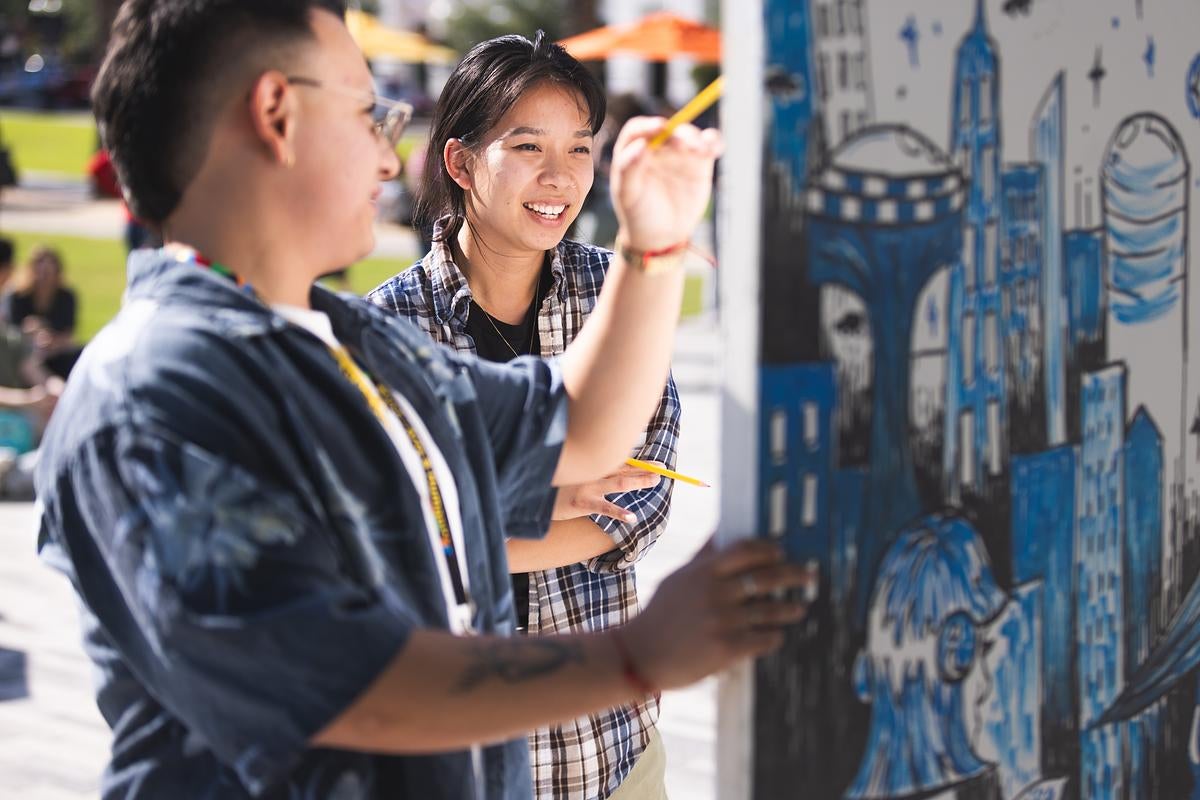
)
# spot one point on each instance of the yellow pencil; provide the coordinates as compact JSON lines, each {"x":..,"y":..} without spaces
{"x":666,"y":473}
{"x":695,"y":107}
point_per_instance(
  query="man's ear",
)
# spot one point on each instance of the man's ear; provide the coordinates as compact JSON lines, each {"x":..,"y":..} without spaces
{"x":458,"y":162}
{"x":272,"y":107}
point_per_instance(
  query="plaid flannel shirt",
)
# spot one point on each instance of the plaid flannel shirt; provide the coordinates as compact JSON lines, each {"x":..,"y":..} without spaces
{"x":588,"y":757}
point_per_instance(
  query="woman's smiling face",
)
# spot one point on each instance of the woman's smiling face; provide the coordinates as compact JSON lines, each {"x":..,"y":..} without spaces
{"x":525,"y":183}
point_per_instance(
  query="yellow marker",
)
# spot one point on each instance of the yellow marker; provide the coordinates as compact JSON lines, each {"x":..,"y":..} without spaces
{"x":695,"y":107}
{"x":666,"y":473}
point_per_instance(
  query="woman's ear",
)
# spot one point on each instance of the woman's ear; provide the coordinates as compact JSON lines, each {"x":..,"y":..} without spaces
{"x":272,"y":107}
{"x":458,"y":162}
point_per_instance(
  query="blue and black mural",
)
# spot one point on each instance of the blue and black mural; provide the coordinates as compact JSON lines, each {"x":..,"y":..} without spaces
{"x":979,"y":415}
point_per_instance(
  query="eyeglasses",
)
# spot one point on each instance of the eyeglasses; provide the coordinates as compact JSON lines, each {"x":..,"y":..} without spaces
{"x":396,"y":113}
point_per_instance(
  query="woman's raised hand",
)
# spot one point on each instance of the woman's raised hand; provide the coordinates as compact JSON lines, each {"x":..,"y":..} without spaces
{"x":660,"y":194}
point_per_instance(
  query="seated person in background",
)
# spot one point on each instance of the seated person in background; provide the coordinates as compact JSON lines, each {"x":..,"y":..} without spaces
{"x":28,"y":394}
{"x":45,"y":310}
{"x":106,"y":184}
{"x":6,"y":271}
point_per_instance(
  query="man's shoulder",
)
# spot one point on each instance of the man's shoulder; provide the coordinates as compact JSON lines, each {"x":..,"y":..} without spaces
{"x":153,"y":359}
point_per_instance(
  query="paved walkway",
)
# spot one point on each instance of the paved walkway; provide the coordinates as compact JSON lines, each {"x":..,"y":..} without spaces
{"x":64,"y":207}
{"x":53,"y":743}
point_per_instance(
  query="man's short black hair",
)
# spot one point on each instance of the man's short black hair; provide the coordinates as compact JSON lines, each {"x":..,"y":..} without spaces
{"x":6,"y":252}
{"x":170,"y":65}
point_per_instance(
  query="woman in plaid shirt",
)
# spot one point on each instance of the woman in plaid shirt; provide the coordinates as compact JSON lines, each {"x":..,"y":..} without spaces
{"x":509,"y":165}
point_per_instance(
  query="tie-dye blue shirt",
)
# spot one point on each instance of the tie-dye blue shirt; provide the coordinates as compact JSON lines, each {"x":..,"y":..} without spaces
{"x":248,"y":546}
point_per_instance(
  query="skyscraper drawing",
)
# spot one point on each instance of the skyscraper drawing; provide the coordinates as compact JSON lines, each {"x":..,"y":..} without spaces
{"x":1083,"y":252}
{"x":796,"y":139}
{"x":1100,"y":609}
{"x":1022,"y":251}
{"x":1043,"y":547}
{"x":1142,"y":583}
{"x":976,"y":402}
{"x":842,"y":67}
{"x":1145,"y":179}
{"x":1046,"y":147}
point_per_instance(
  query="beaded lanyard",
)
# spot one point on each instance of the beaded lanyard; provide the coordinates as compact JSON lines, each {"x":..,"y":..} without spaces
{"x":358,"y":378}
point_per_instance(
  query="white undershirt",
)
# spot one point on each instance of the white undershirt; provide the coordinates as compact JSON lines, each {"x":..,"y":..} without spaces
{"x":317,"y":323}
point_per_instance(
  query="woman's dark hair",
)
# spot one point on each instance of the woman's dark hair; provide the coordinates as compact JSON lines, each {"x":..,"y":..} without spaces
{"x":26,"y":281}
{"x":169,"y":66}
{"x":483,"y":87}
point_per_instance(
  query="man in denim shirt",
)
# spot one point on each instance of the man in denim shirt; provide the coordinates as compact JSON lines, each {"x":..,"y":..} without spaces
{"x":284,"y":510}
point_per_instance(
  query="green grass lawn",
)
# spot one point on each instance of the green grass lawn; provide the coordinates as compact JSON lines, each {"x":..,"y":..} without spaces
{"x":63,"y":143}
{"x":46,"y":142}
{"x":95,"y":268}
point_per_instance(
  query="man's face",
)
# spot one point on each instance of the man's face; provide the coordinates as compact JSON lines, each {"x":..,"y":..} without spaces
{"x":985,"y":713}
{"x":339,"y":159}
{"x":531,"y":173}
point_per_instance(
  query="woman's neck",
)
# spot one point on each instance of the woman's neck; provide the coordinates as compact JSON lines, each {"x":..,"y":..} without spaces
{"x":43,"y":296}
{"x":503,"y":284}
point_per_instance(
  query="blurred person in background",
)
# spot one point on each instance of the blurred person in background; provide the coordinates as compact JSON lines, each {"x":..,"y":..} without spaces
{"x":7,"y":250}
{"x":414,"y":174}
{"x":105,"y":184}
{"x":508,"y":166}
{"x":45,"y":309}
{"x":597,"y":222}
{"x":28,"y":394}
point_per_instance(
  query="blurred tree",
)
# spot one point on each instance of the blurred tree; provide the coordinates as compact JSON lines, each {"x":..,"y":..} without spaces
{"x":582,"y":15}
{"x":81,"y":39}
{"x":70,"y":29}
{"x":13,"y":11}
{"x":106,"y":12}
{"x":474,"y":21}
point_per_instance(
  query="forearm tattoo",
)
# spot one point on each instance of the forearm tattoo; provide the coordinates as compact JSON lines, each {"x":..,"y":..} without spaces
{"x":517,"y":661}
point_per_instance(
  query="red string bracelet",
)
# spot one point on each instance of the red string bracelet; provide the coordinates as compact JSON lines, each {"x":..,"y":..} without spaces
{"x":652,"y":261}
{"x":629,"y":669}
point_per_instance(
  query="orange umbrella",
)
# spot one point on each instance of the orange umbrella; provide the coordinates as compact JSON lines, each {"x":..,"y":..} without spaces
{"x":655,"y":37}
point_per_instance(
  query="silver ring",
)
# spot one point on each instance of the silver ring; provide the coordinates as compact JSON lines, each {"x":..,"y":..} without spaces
{"x":749,"y":586}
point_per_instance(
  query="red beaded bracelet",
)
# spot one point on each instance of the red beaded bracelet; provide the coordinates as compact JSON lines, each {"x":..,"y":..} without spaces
{"x":629,"y":669}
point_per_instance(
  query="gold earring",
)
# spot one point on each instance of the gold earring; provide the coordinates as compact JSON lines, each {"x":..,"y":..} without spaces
{"x":289,"y":160}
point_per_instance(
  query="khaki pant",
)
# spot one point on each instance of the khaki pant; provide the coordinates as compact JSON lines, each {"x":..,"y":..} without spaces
{"x":647,"y":779}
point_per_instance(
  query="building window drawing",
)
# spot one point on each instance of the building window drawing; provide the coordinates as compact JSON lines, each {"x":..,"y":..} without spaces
{"x":812,"y":438}
{"x":808,"y":514}
{"x":778,"y":514}
{"x":779,"y":436}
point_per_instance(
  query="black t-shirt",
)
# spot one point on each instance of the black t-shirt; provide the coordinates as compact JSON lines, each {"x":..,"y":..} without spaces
{"x":60,"y":316}
{"x":499,"y":341}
